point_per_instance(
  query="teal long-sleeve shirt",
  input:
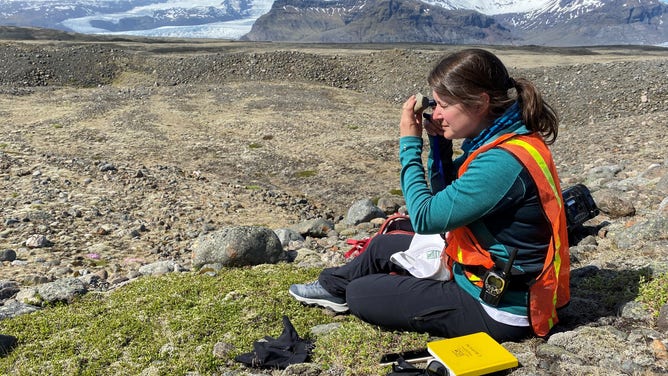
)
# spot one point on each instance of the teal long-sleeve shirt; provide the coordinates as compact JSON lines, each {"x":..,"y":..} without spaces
{"x":496,"y":198}
{"x":466,"y":199}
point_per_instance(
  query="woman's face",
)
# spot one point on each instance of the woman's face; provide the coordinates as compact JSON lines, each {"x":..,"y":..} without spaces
{"x":457,"y":121}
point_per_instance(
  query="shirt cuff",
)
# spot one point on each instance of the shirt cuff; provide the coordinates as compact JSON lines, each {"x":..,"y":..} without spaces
{"x":408,"y":142}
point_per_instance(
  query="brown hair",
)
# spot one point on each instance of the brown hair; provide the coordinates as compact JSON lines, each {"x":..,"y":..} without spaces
{"x":466,"y":74}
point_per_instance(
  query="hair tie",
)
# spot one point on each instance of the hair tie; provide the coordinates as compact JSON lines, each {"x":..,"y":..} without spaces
{"x":511,"y":83}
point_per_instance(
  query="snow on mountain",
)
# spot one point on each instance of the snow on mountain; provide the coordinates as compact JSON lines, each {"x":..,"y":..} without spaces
{"x":493,"y":7}
{"x":528,"y":8}
{"x":228,"y":19}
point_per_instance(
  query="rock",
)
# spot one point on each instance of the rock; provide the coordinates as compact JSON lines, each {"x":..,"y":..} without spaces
{"x":102,"y":274}
{"x":659,"y":350}
{"x":604,"y":172}
{"x":8,"y":284}
{"x":37,"y":241}
{"x":62,"y":290}
{"x":610,"y":203}
{"x":390,"y":204}
{"x":222,"y":349}
{"x":635,"y":311}
{"x":639,"y":233}
{"x":238,"y":246}
{"x":302,"y":369}
{"x":580,"y":252}
{"x":7,"y":255}
{"x":662,"y":184}
{"x":309,"y":259}
{"x":35,"y":279}
{"x":90,"y":280}
{"x":132,"y":274}
{"x":11,"y":221}
{"x":8,"y":292}
{"x":363,"y":211}
{"x":662,"y":320}
{"x":13,"y":308}
{"x":107,"y":167}
{"x":319,"y":330}
{"x":663,"y":208}
{"x":7,"y":344}
{"x":286,"y":235}
{"x":161,"y":267}
{"x":29,"y":295}
{"x":61,"y":271}
{"x":316,"y":228}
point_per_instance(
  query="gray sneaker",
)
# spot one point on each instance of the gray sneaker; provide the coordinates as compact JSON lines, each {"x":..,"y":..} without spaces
{"x":314,"y":294}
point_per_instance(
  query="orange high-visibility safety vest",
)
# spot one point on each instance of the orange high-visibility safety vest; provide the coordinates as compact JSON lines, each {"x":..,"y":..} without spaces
{"x":551,"y":288}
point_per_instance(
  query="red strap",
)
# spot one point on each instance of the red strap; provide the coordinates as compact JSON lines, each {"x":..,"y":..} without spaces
{"x":359,"y":246}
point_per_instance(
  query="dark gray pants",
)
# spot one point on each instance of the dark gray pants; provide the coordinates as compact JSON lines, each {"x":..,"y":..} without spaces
{"x":381,"y":293}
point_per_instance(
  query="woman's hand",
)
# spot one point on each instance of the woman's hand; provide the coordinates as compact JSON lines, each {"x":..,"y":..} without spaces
{"x":411,"y":123}
{"x":433,"y":127}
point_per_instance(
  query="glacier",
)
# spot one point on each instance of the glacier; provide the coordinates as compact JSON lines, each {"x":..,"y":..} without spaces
{"x":233,"y":29}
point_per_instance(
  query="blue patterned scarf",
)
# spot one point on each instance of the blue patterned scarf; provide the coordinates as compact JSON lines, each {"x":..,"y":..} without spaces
{"x":510,"y":117}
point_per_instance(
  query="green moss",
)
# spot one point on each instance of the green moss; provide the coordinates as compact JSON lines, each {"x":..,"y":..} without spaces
{"x":612,"y":287}
{"x":253,"y":187}
{"x":306,"y":173}
{"x":654,"y":292}
{"x":170,"y":324}
{"x":359,"y":347}
{"x":254,"y":145}
{"x":396,"y":192}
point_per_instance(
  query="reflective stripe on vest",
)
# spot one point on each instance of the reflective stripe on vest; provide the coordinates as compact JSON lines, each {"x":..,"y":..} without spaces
{"x":551,"y":288}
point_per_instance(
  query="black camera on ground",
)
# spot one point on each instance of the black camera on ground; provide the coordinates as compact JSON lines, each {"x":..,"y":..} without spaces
{"x":579,"y":204}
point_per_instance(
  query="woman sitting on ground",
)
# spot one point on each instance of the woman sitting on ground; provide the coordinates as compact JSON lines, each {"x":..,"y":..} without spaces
{"x":501,"y":195}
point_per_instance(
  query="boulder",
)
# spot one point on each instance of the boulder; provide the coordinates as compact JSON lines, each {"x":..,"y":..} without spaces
{"x":238,"y":246}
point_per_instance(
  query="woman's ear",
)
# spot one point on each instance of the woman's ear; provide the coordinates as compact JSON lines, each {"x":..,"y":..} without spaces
{"x":484,"y":100}
{"x":483,"y":109}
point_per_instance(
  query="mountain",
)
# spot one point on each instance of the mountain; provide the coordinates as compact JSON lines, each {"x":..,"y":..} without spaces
{"x":374,"y":21}
{"x":588,"y":22}
{"x":539,"y":22}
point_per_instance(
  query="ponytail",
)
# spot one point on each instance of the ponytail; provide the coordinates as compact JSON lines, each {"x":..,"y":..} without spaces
{"x":537,"y":114}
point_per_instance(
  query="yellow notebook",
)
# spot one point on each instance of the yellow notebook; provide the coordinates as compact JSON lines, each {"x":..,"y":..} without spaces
{"x":472,"y":355}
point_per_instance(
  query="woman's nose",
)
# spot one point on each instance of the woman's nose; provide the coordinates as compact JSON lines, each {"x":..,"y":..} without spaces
{"x":436,"y":112}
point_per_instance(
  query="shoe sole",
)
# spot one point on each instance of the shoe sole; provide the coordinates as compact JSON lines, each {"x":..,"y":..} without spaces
{"x":338,"y":308}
